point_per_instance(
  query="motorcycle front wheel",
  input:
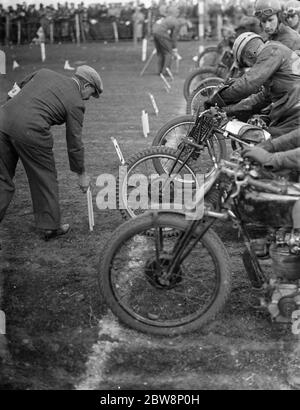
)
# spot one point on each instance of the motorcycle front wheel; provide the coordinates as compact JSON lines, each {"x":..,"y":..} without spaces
{"x":135,"y":282}
{"x":197,"y":98}
{"x":210,"y":56}
{"x":173,"y":132}
{"x":195,"y":77}
{"x":152,"y":168}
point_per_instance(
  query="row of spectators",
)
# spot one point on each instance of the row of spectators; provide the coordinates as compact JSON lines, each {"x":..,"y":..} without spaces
{"x":20,"y":24}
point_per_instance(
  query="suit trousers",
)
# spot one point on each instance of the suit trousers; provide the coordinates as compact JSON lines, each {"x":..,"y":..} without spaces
{"x":164,"y":52}
{"x":41,"y":172}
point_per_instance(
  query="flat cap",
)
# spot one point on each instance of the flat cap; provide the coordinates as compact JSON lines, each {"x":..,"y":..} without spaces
{"x":92,"y":77}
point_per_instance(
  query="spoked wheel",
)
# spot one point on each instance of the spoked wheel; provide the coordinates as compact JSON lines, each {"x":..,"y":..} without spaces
{"x":198,"y":97}
{"x":210,"y":56}
{"x":195,"y":77}
{"x":153,"y":180}
{"x":145,"y":292}
{"x":173,"y":133}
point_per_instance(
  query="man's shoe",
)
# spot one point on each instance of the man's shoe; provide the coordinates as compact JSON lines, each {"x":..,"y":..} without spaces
{"x":54,"y":233}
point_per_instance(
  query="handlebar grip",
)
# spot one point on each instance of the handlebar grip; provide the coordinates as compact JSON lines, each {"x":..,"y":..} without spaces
{"x":264,"y":185}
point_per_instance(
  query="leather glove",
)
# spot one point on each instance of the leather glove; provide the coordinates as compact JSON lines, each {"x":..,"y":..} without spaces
{"x":84,"y":181}
{"x":208,"y":104}
{"x":259,"y":155}
{"x":215,"y":99}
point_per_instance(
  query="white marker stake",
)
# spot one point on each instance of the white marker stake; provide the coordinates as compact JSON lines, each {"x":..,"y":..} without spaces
{"x":67,"y":66}
{"x":118,"y":150}
{"x":115,"y":30}
{"x":90,"y":208}
{"x":145,"y":123}
{"x":154,"y":104}
{"x":144,"y":49}
{"x":167,"y":85}
{"x":2,"y":62}
{"x":43,"y":51}
{"x":148,"y":62}
{"x":170,"y":73}
{"x":15,"y":65}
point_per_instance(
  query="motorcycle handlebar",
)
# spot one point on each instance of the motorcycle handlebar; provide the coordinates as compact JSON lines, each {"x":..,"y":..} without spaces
{"x":267,"y":186}
{"x":251,"y":181}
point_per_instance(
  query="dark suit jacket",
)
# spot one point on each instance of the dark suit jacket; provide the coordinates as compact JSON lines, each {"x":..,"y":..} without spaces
{"x":46,"y":98}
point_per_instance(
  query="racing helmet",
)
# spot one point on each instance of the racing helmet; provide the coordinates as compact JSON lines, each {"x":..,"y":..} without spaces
{"x":266,"y":8}
{"x":243,"y":42}
{"x":291,"y":8}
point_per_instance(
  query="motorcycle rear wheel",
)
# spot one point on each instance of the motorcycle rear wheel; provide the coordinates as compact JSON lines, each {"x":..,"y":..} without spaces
{"x":150,"y":162}
{"x":133,"y":282}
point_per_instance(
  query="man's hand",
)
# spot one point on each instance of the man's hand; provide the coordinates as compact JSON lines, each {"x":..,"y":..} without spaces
{"x":84,"y":181}
{"x":208,"y":104}
{"x":214,"y":99}
{"x":175,"y":54}
{"x":259,"y":155}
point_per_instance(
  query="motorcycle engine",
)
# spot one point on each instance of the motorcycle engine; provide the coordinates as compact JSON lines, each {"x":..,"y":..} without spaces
{"x":284,"y":304}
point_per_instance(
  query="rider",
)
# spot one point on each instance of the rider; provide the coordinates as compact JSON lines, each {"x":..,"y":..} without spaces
{"x":272,"y":82}
{"x":283,"y":153}
{"x":292,"y":14}
{"x":269,"y":12}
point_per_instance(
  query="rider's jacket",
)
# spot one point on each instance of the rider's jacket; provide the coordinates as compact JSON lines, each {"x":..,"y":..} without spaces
{"x":273,"y":81}
{"x":286,"y":151}
{"x":287,"y":36}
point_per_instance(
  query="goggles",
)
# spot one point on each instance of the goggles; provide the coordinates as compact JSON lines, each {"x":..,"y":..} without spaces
{"x":291,"y":12}
{"x":265,"y":13}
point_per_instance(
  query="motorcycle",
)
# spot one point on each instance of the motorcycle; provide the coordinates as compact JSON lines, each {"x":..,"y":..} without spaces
{"x":171,"y":284}
{"x":188,"y":148}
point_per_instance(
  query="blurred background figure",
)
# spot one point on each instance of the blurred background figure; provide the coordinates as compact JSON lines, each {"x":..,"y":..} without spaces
{"x":292,"y":14}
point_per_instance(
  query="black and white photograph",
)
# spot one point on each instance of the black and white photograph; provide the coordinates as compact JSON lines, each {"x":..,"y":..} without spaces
{"x":149,"y":198}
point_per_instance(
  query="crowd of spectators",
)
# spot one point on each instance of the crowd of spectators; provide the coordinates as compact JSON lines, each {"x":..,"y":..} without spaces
{"x":20,"y":24}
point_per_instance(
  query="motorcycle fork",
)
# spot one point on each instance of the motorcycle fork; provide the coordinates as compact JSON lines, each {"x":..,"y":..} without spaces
{"x":185,"y":245}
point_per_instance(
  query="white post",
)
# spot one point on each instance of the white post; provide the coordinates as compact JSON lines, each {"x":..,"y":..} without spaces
{"x":19,"y":32}
{"x":219,"y":27}
{"x":167,"y":85}
{"x":118,"y":150}
{"x":145,"y":123}
{"x":148,"y":61}
{"x":77,"y":26}
{"x":144,"y":49}
{"x":201,"y":28}
{"x":43,"y":51}
{"x":90,"y":209}
{"x":51,"y":29}
{"x":153,"y":104}
{"x":2,"y":62}
{"x":115,"y":28}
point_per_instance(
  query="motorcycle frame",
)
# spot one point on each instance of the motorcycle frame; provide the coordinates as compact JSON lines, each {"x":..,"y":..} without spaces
{"x":189,"y":141}
{"x":188,"y":240}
